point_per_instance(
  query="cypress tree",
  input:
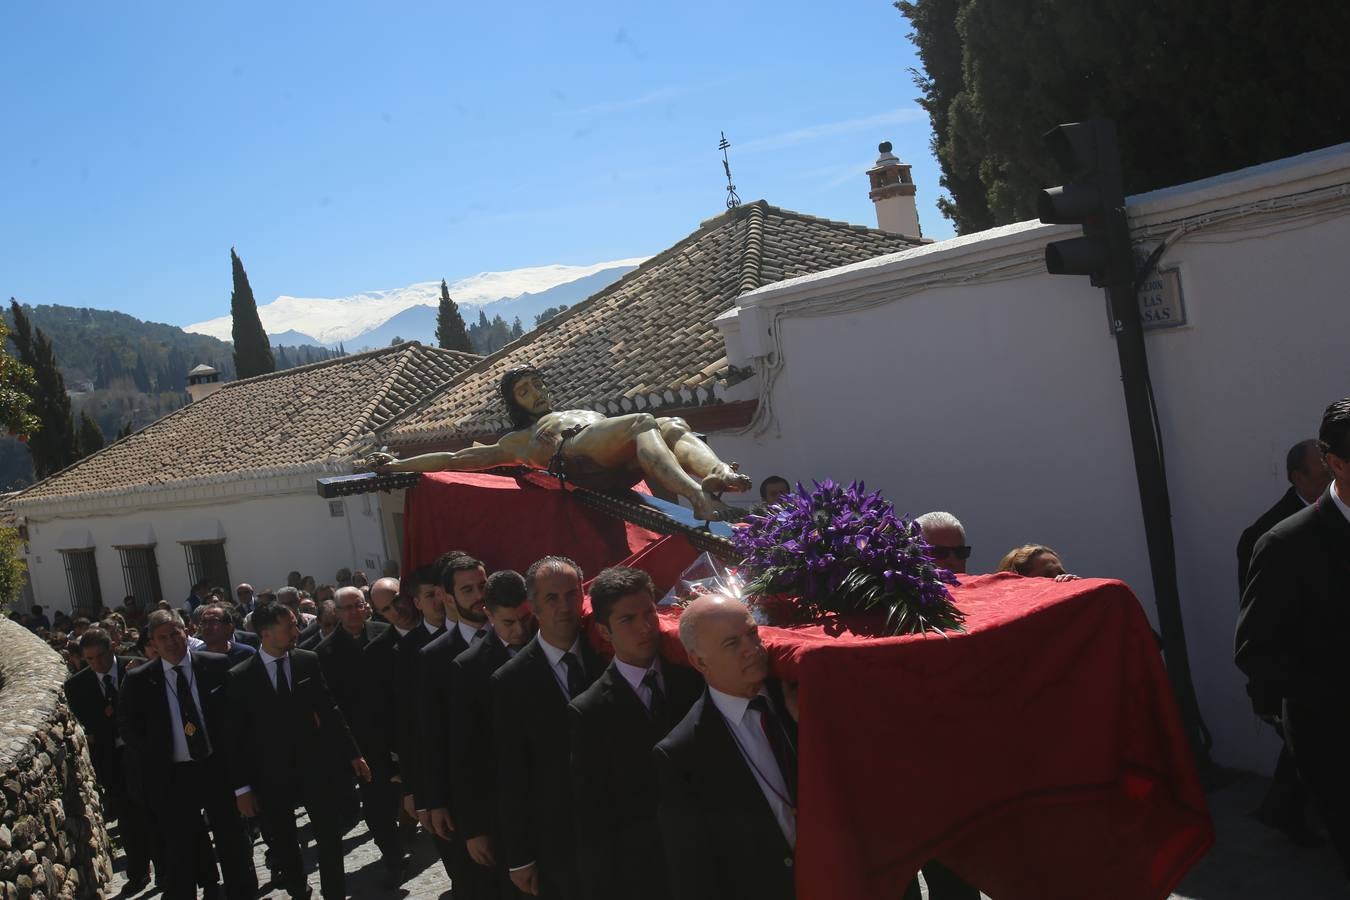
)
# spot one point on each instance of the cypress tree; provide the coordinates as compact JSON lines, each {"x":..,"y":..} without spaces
{"x":517,"y":330}
{"x":53,"y":445}
{"x":450,"y":331}
{"x":90,"y":436}
{"x":252,"y":352}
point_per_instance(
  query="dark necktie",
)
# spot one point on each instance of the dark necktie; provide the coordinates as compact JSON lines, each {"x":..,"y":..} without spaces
{"x":482,"y":632}
{"x":283,"y":686}
{"x":783,"y":751}
{"x":110,"y":691}
{"x":187,"y":711}
{"x":576,"y":676}
{"x":657,"y":707}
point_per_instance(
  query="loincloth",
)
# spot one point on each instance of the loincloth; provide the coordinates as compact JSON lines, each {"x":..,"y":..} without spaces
{"x":586,"y":472}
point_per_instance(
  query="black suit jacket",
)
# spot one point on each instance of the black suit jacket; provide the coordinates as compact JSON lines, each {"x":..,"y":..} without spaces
{"x":246,"y":637}
{"x":343,"y":659}
{"x":435,"y":662}
{"x":614,"y":781}
{"x":89,"y":705}
{"x":722,"y":840}
{"x":311,"y":635}
{"x":529,"y":727}
{"x":143,"y":712}
{"x":408,"y":699}
{"x":1295,"y":619}
{"x":473,"y":803}
{"x":274,"y":745}
{"x":1285,"y":507}
{"x":378,"y":734}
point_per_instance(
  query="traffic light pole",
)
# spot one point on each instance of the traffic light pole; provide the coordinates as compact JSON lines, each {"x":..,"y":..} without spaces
{"x":1153,"y":496}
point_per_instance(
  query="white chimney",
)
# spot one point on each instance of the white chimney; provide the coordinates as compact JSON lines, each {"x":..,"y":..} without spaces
{"x":203,"y":381}
{"x":893,"y":193}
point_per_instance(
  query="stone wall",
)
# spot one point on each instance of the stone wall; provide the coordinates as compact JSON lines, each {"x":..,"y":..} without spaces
{"x":53,"y":843}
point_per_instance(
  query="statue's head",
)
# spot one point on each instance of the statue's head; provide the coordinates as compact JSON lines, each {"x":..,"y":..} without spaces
{"x":525,"y":395}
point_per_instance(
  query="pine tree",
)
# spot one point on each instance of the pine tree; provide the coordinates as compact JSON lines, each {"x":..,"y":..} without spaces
{"x":450,"y":331}
{"x":517,"y":330}
{"x":252,"y":352}
{"x":90,"y":437}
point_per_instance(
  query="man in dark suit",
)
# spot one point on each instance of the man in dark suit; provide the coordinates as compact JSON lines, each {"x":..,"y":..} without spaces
{"x":382,"y":658}
{"x":342,"y":656}
{"x":93,"y":697}
{"x":727,"y":773}
{"x":529,"y":727}
{"x":463,"y":580}
{"x":1293,"y":630}
{"x":1308,"y":478}
{"x":284,"y":726}
{"x":171,"y":714}
{"x":1282,"y":808}
{"x":473,"y":803}
{"x":614,"y":726}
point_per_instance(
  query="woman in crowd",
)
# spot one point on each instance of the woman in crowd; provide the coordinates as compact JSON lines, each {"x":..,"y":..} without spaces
{"x":1035,"y":561}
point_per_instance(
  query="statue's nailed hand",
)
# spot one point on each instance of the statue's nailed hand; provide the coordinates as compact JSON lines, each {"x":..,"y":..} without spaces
{"x":378,"y":461}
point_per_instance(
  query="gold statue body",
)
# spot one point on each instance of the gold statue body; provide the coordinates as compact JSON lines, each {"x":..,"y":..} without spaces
{"x":590,"y":446}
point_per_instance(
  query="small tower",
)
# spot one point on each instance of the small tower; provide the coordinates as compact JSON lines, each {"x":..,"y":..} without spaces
{"x":893,"y":193}
{"x":203,"y":381}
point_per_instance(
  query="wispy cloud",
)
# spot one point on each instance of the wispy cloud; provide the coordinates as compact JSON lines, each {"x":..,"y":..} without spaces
{"x":830,"y":129}
{"x":613,"y":106}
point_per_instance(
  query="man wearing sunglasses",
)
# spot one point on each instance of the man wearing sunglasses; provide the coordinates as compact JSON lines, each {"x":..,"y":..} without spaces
{"x":945,"y":534}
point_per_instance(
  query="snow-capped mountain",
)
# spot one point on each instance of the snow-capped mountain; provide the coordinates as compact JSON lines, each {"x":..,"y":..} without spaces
{"x":348,"y":319}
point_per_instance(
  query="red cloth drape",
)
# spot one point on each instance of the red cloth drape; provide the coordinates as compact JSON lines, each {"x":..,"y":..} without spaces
{"x":1039,"y":754}
{"x":509,"y":523}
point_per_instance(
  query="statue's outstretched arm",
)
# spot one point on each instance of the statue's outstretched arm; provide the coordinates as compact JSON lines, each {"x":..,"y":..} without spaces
{"x":470,"y":459}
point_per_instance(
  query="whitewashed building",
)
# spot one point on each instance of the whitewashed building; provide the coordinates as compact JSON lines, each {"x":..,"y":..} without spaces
{"x":224,"y":488}
{"x":960,"y":376}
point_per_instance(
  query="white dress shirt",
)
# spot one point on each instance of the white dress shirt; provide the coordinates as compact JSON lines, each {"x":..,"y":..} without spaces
{"x":635,"y":675}
{"x":749,"y":736}
{"x":432,"y":629}
{"x":1340,"y":504}
{"x":180,"y":746}
{"x":467,"y":631}
{"x":556,"y":664}
{"x":270,"y":667}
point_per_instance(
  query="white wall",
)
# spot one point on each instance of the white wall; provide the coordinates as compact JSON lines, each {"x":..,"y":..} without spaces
{"x":265,"y":537}
{"x":998,"y":397}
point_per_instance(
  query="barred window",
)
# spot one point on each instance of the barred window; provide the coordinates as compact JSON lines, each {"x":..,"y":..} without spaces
{"x":140,"y":574}
{"x":82,"y":582}
{"x":206,"y":562}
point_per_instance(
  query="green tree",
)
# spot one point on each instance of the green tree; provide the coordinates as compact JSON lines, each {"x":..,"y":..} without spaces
{"x":1196,"y":89}
{"x":450,"y":331}
{"x":549,"y":313}
{"x":252,"y":352}
{"x":12,"y":567}
{"x":90,"y":436}
{"x":517,"y":330}
{"x":53,"y":443}
{"x":396,"y":341}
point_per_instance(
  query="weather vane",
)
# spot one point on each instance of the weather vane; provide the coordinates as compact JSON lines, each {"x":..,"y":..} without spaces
{"x":733,"y":200}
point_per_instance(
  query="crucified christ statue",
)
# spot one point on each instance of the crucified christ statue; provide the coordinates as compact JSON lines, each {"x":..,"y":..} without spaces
{"x":590,"y":448}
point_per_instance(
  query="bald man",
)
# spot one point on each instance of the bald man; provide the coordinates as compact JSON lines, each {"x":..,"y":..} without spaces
{"x":727,"y":773}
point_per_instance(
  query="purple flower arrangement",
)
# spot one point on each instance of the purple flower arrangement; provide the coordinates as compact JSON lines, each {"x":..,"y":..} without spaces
{"x":843,"y":550}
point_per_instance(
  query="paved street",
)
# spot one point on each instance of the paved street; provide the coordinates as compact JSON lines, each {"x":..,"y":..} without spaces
{"x":1249,"y":862}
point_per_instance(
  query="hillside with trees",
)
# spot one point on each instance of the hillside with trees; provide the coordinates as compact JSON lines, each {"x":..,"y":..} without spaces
{"x":120,"y":374}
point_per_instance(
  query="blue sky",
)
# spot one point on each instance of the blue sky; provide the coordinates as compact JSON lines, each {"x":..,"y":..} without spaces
{"x":345,"y":147}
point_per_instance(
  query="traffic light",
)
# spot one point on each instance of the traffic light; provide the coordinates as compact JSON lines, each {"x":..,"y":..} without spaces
{"x":1094,"y":198}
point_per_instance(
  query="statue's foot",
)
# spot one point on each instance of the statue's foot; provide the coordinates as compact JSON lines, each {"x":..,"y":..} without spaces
{"x":709,"y":508}
{"x":726,"y":478}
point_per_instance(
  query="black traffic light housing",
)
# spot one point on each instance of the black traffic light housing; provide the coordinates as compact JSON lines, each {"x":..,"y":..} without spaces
{"x":1094,"y":198}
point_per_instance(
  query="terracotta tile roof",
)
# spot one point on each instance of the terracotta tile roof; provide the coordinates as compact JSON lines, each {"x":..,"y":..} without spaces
{"x":648,"y":340}
{"x":313,"y":415}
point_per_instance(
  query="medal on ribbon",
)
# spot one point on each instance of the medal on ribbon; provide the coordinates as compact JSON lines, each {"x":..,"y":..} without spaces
{"x":108,"y":711}
{"x":189,"y":729}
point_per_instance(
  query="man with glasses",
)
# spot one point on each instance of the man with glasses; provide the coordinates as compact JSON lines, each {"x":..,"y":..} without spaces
{"x":945,"y":534}
{"x":216,"y":629}
{"x":342,"y":656}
